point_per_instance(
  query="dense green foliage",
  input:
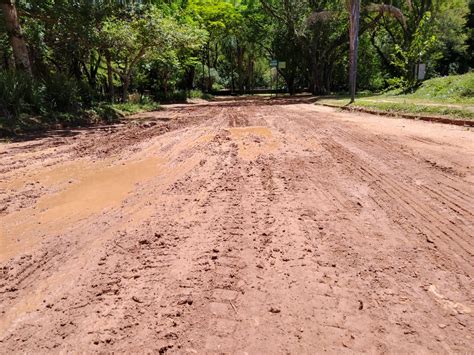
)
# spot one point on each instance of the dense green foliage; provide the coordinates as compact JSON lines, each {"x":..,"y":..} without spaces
{"x":85,"y":52}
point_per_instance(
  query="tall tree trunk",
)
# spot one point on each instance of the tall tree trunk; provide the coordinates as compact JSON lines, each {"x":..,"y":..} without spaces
{"x":165,"y":85}
{"x":240,"y":70}
{"x":353,"y":45}
{"x":203,"y":87}
{"x":94,"y":68}
{"x":15,"y":34}
{"x":6,"y":60}
{"x":126,"y":84}
{"x":232,"y":71}
{"x":289,"y":76}
{"x":188,"y":80}
{"x":290,"y":82}
{"x":75,"y":69}
{"x":110,"y":77}
{"x":209,"y":82}
{"x":317,"y":75}
{"x":250,"y":75}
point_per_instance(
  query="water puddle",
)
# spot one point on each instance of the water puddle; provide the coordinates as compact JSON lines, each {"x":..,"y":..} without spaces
{"x":85,"y":189}
{"x":253,"y":141}
{"x":96,"y":190}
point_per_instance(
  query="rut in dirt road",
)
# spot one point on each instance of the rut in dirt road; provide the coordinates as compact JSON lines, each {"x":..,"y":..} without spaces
{"x":249,"y":226}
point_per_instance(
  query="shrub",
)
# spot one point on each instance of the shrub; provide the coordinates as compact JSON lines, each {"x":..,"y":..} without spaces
{"x":175,"y":96}
{"x":198,"y":94}
{"x":18,"y":94}
{"x":127,"y":108}
{"x":62,"y":94}
{"x":87,"y":94}
{"x":195,"y":94}
{"x":108,"y":113}
{"x":146,"y":100}
{"x":134,"y":98}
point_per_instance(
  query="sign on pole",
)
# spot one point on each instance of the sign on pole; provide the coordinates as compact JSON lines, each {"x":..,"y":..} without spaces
{"x":273,"y":63}
{"x":421,"y":71}
{"x":281,"y":65}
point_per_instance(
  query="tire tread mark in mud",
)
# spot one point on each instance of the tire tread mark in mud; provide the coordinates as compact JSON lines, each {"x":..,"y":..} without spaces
{"x":397,"y":192}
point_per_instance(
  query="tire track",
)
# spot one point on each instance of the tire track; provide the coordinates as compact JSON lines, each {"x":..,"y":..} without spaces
{"x":396,"y":191}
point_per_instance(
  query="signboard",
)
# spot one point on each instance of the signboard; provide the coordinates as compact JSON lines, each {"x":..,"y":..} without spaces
{"x":281,"y":65}
{"x":421,"y":71}
{"x":273,"y":63}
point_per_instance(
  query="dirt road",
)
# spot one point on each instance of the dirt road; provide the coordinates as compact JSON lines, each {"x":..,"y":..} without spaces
{"x":246,"y":226}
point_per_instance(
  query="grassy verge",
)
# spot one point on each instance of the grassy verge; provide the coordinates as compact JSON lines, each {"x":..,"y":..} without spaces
{"x":399,"y":105}
{"x":451,"y":96}
{"x":449,"y":89}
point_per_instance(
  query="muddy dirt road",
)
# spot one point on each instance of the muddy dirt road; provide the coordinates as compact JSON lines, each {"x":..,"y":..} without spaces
{"x":248,"y":226}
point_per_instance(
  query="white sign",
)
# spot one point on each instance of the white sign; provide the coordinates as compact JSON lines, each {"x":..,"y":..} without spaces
{"x":421,"y":71}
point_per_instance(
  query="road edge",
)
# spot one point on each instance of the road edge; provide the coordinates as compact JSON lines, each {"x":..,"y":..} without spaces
{"x":437,"y":119}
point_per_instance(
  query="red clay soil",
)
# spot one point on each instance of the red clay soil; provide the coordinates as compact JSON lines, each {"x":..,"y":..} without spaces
{"x":250,"y":226}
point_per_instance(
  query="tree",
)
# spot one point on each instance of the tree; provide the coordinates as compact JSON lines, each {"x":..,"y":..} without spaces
{"x":218,"y":18}
{"x":15,"y":33}
{"x":419,"y":30}
{"x":166,"y":48}
{"x":130,"y":40}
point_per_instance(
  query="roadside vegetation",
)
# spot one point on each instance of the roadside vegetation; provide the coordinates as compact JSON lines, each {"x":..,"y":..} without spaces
{"x":66,"y":63}
{"x":451,"y":96}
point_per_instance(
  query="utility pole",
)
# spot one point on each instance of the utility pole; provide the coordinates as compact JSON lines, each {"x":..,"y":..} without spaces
{"x":354,"y":17}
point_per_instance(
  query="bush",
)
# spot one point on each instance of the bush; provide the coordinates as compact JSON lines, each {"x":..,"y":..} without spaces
{"x":134,"y":98}
{"x":127,"y":108}
{"x":146,"y":100}
{"x":88,"y":95}
{"x":59,"y":101}
{"x":198,"y":94}
{"x":108,"y":113}
{"x":62,"y":94}
{"x":195,"y":94}
{"x":18,"y":94}
{"x":175,"y":96}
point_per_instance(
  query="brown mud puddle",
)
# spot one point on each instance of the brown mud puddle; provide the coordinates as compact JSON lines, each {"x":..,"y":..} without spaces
{"x":89,"y":189}
{"x":253,"y":141}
